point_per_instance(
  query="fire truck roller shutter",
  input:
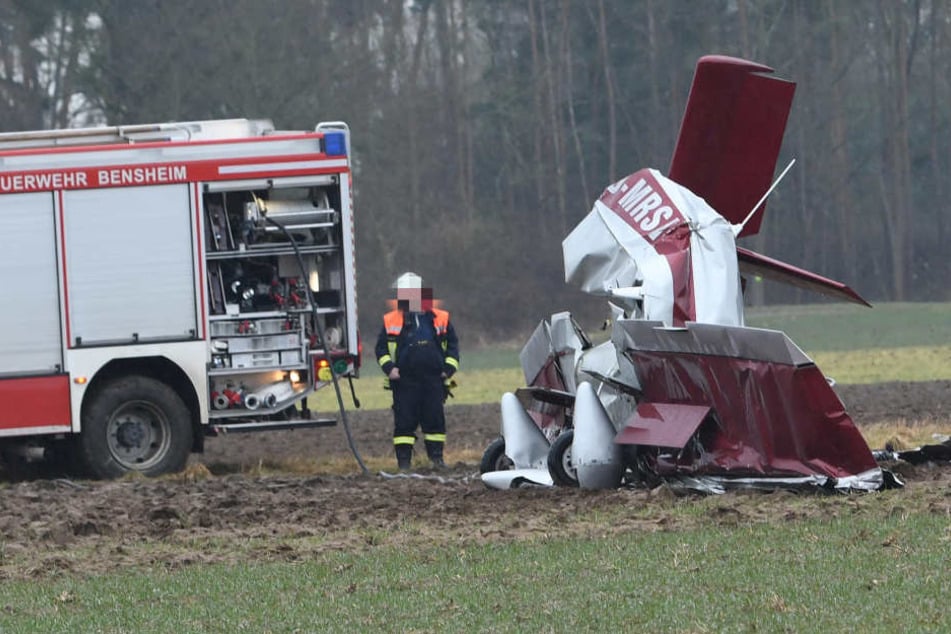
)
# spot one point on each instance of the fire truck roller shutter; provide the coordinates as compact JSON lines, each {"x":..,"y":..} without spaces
{"x":130,"y":264}
{"x":30,"y":339}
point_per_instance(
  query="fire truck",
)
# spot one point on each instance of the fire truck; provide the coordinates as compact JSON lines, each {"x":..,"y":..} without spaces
{"x":169,"y":282}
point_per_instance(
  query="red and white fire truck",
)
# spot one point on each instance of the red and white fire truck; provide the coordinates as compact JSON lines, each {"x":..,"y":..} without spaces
{"x":167,"y":282}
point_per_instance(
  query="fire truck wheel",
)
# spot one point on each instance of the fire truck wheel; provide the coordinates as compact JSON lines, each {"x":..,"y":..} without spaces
{"x":135,"y":424}
{"x":494,"y":458}
{"x":559,"y":460}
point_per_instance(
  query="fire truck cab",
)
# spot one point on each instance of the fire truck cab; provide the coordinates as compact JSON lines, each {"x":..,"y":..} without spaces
{"x":171,"y":281}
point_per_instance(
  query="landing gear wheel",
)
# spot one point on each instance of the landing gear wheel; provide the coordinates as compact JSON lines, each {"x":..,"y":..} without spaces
{"x":559,"y":460}
{"x":135,"y":424}
{"x":494,"y":458}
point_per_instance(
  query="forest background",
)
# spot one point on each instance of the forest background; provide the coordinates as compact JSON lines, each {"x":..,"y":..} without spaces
{"x":483,"y":130}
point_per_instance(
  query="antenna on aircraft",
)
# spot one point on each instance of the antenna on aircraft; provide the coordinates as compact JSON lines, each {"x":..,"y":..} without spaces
{"x":737,"y":229}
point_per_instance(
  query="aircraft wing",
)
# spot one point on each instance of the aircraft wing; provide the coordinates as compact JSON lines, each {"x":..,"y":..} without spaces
{"x":730,"y":136}
{"x":752,"y":263}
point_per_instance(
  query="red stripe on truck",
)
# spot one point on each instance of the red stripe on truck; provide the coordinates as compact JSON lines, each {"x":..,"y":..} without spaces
{"x":39,"y":401}
{"x":183,"y":171}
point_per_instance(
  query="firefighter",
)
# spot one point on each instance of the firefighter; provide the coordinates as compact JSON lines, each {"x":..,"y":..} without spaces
{"x":418,"y":351}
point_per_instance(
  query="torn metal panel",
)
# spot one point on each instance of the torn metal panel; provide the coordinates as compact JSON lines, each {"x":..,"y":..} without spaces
{"x":614,"y":379}
{"x":601,"y":360}
{"x":872,"y":480}
{"x":777,"y":414}
{"x":568,"y":344}
{"x":548,"y":362}
{"x":536,"y":353}
{"x":548,"y":358}
{"x":517,"y":479}
{"x":662,"y":425}
{"x":699,"y":339}
{"x":547,"y":407}
{"x":558,"y":398}
{"x":649,"y":234}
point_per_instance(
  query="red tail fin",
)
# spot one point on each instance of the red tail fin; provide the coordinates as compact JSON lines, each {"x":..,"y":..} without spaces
{"x":731,"y":134}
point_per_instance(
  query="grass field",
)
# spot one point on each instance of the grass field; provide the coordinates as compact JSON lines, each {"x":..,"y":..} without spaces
{"x":835,"y":327}
{"x":852,"y":344}
{"x":876,"y":563}
{"x":858,"y":564}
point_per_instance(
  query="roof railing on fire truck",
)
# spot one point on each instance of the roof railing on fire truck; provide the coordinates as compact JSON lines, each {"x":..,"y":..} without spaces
{"x":106,"y":135}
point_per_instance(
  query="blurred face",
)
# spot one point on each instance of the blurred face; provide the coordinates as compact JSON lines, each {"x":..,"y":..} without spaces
{"x":410,"y":299}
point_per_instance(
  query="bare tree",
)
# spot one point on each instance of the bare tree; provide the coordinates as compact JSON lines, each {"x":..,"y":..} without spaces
{"x":895,"y":53}
{"x":44,"y":46}
{"x":482,"y":128}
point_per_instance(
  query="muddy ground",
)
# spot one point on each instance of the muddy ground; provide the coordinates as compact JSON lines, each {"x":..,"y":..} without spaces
{"x":234,"y":502}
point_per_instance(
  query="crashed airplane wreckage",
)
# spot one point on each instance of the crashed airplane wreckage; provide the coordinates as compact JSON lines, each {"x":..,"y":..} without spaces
{"x":683,"y":393}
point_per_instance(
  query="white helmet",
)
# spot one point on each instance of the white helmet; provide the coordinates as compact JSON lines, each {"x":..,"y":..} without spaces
{"x":409,"y":280}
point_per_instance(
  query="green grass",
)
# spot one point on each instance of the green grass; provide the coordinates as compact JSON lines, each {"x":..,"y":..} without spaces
{"x":474,"y":386}
{"x":822,"y":327}
{"x":882,"y":568}
{"x":856,"y":344}
{"x":876,"y":572}
{"x":852,"y":344}
{"x":499,"y":358}
{"x":886,"y":364}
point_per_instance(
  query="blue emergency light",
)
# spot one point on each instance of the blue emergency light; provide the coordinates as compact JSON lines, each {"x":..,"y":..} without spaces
{"x":335,"y":143}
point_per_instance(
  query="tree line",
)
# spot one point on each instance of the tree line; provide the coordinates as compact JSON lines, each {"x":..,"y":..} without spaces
{"x":483,"y":130}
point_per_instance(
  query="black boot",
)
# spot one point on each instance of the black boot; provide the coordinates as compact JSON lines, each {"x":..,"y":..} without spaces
{"x":434,"y":451}
{"x":404,"y":457}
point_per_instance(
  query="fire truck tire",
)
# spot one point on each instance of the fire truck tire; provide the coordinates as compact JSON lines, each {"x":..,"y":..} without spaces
{"x":135,"y":424}
{"x":559,"y":460}
{"x":494,"y":458}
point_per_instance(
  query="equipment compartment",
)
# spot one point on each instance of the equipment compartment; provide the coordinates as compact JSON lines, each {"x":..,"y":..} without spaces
{"x":259,"y":343}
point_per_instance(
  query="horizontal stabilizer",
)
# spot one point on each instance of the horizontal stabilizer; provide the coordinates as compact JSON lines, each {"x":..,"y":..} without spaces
{"x":752,"y":263}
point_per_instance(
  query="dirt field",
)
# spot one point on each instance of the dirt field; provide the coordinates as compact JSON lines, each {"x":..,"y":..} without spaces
{"x":216,"y":509}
